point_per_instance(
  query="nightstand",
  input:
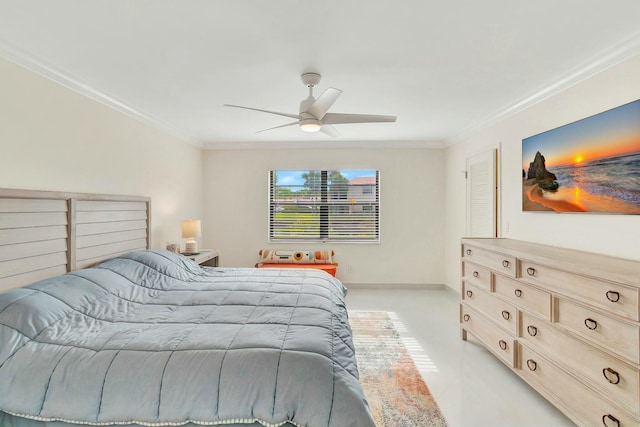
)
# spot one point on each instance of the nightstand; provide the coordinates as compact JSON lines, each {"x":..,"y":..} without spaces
{"x":207,"y":257}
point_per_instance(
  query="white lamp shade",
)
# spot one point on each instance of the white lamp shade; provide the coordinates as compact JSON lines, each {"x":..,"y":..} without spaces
{"x":191,"y":228}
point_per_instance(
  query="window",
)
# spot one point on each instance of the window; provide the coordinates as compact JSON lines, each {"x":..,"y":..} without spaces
{"x":324,"y":205}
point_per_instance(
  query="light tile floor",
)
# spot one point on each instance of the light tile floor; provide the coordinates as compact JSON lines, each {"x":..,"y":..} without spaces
{"x":472,"y":387}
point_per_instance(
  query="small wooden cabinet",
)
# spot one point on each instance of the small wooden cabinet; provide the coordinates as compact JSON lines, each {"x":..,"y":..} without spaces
{"x":565,"y":321}
{"x":206,"y":257}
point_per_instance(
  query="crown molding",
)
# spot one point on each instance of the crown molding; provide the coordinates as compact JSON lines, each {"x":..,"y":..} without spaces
{"x":612,"y":56}
{"x":65,"y":79}
{"x":616,"y":54}
{"x":310,"y":145}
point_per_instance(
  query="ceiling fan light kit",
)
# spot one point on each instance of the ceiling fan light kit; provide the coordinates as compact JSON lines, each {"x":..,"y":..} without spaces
{"x":310,"y":125}
{"x":313,"y":116}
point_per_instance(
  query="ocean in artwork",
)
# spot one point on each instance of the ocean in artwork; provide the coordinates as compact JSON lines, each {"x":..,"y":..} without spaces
{"x":615,"y":177}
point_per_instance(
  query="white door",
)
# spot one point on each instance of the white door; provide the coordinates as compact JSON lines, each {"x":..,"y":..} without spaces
{"x":482,"y":195}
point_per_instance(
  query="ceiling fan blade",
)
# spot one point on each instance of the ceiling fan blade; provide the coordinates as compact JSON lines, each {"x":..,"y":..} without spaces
{"x":281,"y":126}
{"x":321,"y":105}
{"x":330,"y":130}
{"x":340,"y":118}
{"x":293,"y":116}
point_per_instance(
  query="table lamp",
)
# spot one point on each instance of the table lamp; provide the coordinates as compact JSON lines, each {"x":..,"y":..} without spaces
{"x":191,"y":230}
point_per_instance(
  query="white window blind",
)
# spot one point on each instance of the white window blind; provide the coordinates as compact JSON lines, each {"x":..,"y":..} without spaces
{"x":324,"y":205}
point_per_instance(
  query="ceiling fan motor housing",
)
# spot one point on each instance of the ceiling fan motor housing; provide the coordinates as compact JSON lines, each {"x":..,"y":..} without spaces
{"x":306,"y":104}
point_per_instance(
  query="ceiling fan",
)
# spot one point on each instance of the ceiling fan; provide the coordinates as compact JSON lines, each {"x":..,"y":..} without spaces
{"x":313,"y":116}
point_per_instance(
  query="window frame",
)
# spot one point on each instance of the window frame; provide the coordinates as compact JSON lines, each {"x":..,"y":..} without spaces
{"x":324,"y":206}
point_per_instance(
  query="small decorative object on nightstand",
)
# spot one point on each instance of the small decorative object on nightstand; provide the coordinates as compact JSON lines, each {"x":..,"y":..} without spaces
{"x":190,"y":230}
{"x":173,"y":247}
{"x":206,"y":257}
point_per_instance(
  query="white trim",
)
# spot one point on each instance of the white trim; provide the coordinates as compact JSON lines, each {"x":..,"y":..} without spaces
{"x":396,"y":286}
{"x":279,"y":145}
{"x":65,"y":79}
{"x":612,"y":56}
{"x":618,"y":53}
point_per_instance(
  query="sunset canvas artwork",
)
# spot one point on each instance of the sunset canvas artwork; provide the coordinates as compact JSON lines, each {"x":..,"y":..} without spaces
{"x":592,"y":165}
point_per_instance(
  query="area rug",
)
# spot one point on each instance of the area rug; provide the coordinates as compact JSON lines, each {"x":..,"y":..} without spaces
{"x":393,"y":386}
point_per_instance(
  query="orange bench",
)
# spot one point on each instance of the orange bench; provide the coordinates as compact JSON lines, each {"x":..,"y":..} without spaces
{"x":329,"y":268}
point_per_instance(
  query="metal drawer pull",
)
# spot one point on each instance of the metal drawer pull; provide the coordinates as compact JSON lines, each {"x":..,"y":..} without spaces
{"x":613,"y":296}
{"x":506,"y":315}
{"x":518,"y":293}
{"x":533,"y":331}
{"x":503,"y":344}
{"x":532,"y":365}
{"x":590,"y":324}
{"x":505,"y":263}
{"x":531,"y":271}
{"x":610,"y":417}
{"x":469,"y":293}
{"x":469,"y":252}
{"x":476,"y":274}
{"x":611,"y":372}
{"x":466,"y":317}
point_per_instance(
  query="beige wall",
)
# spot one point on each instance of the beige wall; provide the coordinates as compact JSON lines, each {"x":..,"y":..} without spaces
{"x":52,"y":138}
{"x":616,"y":235}
{"x":411,"y":210}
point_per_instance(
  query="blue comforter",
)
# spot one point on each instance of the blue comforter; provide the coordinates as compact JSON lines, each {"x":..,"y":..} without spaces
{"x":152,"y":338}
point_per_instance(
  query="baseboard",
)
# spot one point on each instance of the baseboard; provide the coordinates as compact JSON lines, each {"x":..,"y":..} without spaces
{"x":397,"y":286}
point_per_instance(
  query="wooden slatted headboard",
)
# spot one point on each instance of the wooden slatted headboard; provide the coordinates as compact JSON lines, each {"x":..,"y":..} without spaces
{"x":45,"y":233}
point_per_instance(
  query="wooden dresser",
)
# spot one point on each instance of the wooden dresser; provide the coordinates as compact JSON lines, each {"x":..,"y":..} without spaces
{"x":567,"y":322}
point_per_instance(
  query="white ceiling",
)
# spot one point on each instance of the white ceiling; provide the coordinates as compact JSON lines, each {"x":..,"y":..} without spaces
{"x":443,"y":67}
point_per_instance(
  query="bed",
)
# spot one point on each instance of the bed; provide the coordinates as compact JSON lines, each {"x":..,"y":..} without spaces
{"x":148,"y":337}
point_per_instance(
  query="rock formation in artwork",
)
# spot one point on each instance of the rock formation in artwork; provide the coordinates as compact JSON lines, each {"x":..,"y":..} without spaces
{"x":540,"y":175}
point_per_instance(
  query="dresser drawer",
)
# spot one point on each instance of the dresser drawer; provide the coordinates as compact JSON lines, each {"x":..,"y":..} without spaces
{"x":477,"y":274}
{"x":606,"y":295}
{"x":606,"y":373}
{"x":585,"y":405}
{"x":504,"y":264}
{"x":523,"y":295}
{"x":611,"y":334}
{"x":494,"y":338}
{"x":500,"y":312}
